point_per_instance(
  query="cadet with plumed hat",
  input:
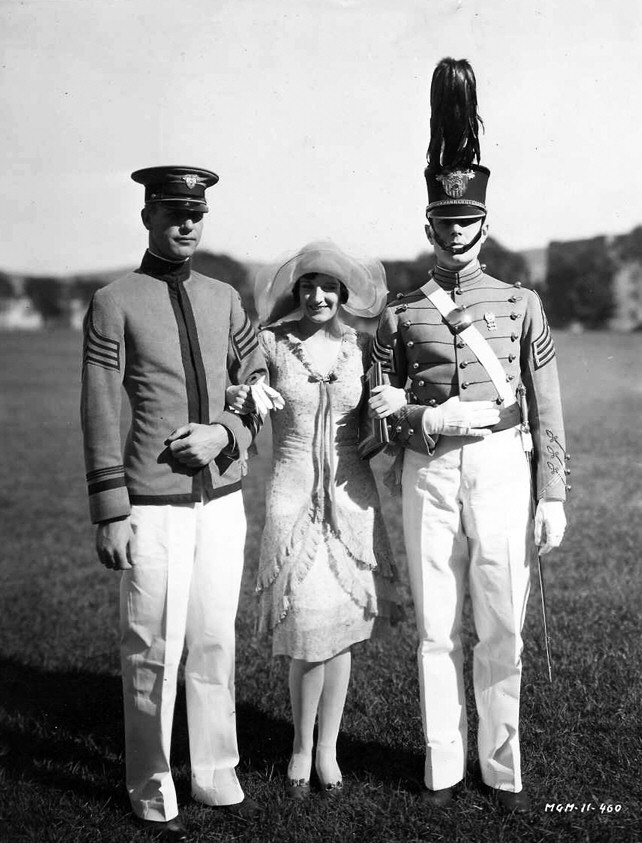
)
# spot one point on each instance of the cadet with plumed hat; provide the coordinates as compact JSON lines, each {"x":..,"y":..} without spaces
{"x":478,"y":362}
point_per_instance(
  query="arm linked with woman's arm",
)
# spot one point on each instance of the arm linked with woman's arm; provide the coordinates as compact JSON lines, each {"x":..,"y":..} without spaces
{"x":245,"y":365}
{"x":257,"y":396}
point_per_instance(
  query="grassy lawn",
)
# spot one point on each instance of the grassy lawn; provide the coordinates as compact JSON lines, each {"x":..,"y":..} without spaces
{"x":61,"y":745}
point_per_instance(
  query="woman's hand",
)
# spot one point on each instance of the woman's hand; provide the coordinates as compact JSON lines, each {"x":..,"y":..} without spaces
{"x":257,"y":398}
{"x":239,"y":399}
{"x":385,"y":401}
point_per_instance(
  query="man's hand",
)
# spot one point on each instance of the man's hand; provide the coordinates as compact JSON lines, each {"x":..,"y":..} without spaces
{"x":196,"y":445}
{"x":113,"y":544}
{"x":461,"y":418}
{"x":385,"y":401}
{"x":550,"y":524}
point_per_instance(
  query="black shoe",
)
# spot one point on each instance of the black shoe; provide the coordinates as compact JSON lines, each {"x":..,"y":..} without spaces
{"x":512,"y":803}
{"x":247,"y":810}
{"x":172,"y":831}
{"x":442,"y":798}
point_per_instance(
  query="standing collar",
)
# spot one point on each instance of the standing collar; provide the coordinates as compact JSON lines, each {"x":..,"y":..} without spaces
{"x":164,"y":270}
{"x":466,"y":277}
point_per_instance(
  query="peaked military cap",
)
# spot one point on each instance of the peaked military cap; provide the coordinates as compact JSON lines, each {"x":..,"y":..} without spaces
{"x":182,"y":187}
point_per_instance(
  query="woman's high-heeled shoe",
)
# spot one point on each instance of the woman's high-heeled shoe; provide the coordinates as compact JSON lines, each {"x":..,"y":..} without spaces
{"x":297,"y":784}
{"x":333,"y":790}
{"x":297,"y":788}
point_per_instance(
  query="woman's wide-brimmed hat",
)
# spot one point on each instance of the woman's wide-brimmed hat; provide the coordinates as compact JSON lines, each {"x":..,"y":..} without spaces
{"x":365,"y":281}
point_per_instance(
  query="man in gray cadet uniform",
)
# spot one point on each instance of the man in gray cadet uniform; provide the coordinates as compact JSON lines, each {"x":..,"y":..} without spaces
{"x":170,"y":514}
{"x":478,"y":362}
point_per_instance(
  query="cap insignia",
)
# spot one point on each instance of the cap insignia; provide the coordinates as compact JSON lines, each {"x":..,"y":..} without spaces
{"x":190,"y":180}
{"x":456,"y":183}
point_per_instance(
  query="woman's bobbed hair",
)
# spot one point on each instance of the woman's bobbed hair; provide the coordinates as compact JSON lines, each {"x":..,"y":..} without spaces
{"x":310,"y":276}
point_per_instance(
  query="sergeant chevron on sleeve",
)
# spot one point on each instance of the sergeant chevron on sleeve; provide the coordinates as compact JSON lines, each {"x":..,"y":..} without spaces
{"x":476,"y":357}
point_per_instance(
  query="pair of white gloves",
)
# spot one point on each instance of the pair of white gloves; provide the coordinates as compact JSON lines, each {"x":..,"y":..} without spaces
{"x":452,"y":418}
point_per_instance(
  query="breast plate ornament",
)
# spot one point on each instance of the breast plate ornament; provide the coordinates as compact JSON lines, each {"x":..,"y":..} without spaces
{"x":489,"y":319}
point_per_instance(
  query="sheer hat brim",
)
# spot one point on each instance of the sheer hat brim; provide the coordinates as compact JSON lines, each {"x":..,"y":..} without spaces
{"x":365,"y":281}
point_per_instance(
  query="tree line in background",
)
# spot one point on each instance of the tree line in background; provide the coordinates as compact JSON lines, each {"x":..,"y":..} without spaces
{"x":592,"y":283}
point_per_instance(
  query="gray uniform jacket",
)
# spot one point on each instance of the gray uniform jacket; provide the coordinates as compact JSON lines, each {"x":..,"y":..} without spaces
{"x":175,"y":340}
{"x":421,"y":354}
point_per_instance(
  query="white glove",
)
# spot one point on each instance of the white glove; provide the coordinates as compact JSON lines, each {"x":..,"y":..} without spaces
{"x":386,"y":400}
{"x":550,"y":523}
{"x":266,"y":398}
{"x":460,"y":418}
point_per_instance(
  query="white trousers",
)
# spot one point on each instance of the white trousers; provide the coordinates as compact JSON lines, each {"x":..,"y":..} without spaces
{"x":467,"y":521}
{"x":183,"y":589}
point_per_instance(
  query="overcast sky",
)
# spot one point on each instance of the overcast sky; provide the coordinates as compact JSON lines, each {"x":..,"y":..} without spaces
{"x":315,"y":115}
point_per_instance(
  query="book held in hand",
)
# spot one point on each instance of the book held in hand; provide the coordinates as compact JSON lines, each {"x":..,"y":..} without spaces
{"x":373,"y":432}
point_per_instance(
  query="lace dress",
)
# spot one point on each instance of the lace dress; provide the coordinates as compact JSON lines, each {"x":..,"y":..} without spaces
{"x":326,"y":571}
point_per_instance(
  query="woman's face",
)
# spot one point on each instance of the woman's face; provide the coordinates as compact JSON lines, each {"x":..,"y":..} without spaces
{"x":319,"y":297}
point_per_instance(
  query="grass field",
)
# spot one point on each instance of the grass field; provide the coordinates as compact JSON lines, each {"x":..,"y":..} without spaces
{"x":61,"y":746}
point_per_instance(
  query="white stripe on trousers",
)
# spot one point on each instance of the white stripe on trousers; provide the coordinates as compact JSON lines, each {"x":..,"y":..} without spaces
{"x":467,"y":518}
{"x":183,"y":589}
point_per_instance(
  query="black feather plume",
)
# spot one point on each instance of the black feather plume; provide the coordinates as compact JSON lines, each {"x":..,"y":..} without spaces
{"x":454,"y":121}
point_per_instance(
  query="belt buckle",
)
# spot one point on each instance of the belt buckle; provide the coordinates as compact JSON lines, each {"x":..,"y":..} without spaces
{"x":458,"y":319}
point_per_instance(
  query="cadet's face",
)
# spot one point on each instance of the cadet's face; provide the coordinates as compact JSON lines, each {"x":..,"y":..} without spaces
{"x":320,"y":298}
{"x":174,"y":233}
{"x":457,"y":233}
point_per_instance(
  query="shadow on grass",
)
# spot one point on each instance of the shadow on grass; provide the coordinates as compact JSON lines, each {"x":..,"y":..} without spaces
{"x":64,"y":730}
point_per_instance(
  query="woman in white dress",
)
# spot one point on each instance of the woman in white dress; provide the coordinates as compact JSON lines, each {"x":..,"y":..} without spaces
{"x":326,"y":574}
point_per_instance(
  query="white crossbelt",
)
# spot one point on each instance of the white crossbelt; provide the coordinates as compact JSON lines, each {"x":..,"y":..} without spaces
{"x":474,"y":340}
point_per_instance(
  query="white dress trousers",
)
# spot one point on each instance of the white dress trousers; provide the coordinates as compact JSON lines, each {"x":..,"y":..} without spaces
{"x":182,"y":590}
{"x":468,"y":521}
